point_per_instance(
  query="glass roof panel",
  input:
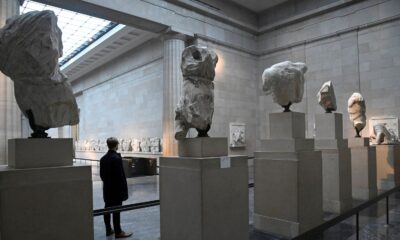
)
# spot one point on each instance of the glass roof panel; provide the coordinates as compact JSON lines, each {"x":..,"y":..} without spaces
{"x":78,"y":30}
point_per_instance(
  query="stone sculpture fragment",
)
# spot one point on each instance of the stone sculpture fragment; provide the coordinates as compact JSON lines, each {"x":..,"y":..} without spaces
{"x":145,"y":145}
{"x":326,"y":97}
{"x":196,"y":107}
{"x":135,"y":144}
{"x":238,"y":139}
{"x":356,"y":109}
{"x":382,"y":135}
{"x":30,"y":45}
{"x":155,"y":145}
{"x":285,"y":81}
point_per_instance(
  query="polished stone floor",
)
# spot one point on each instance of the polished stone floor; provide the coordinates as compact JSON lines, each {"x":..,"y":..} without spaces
{"x":144,"y":223}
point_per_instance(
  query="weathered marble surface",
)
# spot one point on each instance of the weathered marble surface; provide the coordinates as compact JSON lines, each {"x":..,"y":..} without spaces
{"x":237,"y":135}
{"x":196,"y":107}
{"x":153,"y":145}
{"x":135,"y":145}
{"x":145,"y":145}
{"x":285,"y":81}
{"x":382,"y":135}
{"x":30,"y":46}
{"x":356,"y":109}
{"x":326,"y":97}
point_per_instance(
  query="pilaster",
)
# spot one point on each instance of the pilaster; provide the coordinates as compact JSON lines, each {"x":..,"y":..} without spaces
{"x":174,"y":44}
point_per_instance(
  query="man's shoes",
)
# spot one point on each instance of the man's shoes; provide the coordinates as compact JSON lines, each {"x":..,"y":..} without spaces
{"x":123,"y":235}
{"x":109,"y":233}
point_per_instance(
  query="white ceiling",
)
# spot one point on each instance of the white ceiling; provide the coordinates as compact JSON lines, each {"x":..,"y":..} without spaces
{"x":258,"y":5}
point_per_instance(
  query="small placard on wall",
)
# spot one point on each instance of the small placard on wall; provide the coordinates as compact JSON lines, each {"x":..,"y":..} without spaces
{"x":225,"y":162}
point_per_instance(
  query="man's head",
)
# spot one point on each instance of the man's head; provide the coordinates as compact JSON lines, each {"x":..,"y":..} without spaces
{"x":112,"y":143}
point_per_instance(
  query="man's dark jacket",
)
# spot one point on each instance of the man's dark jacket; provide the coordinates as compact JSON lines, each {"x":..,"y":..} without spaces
{"x":112,"y":174}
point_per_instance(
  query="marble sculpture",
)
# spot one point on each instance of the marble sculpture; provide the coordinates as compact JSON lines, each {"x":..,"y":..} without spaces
{"x":135,"y":144}
{"x":382,"y":135}
{"x":356,"y":109}
{"x":30,"y":45}
{"x":155,"y":145}
{"x":196,"y":107}
{"x":145,"y":145}
{"x":285,"y":81}
{"x":326,"y":97}
{"x":237,"y":139}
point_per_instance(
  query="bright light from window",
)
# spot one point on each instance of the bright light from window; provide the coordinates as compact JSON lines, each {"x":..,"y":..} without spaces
{"x":78,"y":30}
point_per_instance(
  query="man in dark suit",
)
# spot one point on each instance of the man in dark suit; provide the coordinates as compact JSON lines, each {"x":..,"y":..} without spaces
{"x":115,"y":188}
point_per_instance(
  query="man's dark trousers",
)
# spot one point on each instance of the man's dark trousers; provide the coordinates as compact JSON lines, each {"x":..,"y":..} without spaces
{"x":116,"y":218}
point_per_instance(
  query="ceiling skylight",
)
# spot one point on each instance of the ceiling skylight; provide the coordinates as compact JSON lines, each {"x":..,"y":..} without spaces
{"x":78,"y":30}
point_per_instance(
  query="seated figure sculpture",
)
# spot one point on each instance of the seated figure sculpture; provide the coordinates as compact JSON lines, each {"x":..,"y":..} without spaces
{"x":196,"y":107}
{"x":356,"y":109}
{"x":326,"y":97}
{"x":285,"y":81}
{"x":30,"y":45}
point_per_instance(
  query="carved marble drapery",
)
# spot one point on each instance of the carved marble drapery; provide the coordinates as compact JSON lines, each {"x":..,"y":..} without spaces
{"x":174,"y":44}
{"x":10,"y":115}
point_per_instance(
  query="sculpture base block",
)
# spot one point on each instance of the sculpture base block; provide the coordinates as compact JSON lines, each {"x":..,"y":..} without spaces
{"x":332,"y":144}
{"x":39,"y":152}
{"x":42,"y":203}
{"x":203,"y":147}
{"x":286,"y":145}
{"x":287,"y":125}
{"x":337,"y":191}
{"x":336,"y":163}
{"x":204,"y":198}
{"x":329,"y":126}
{"x":363,"y":172}
{"x":388,"y":166}
{"x":358,"y":142}
{"x":287,"y":192}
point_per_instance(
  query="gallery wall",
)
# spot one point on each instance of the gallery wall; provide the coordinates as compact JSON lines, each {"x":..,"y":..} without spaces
{"x":235,"y":92}
{"x":123,"y":98}
{"x":356,"y":47}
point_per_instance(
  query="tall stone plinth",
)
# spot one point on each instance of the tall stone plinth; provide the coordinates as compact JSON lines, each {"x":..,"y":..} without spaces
{"x":41,"y":201}
{"x":363,"y":169}
{"x":287,"y":178}
{"x":336,"y":162}
{"x":204,"y":192}
{"x":388,"y":166}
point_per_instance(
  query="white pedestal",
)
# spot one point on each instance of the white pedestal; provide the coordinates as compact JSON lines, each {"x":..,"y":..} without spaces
{"x":336,"y":162}
{"x":363,"y":169}
{"x":204,"y":198}
{"x":42,"y":202}
{"x":388,"y":166}
{"x":39,"y":152}
{"x":287,"y":179}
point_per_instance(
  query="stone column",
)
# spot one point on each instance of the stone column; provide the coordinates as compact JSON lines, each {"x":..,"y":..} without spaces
{"x":10,"y":115}
{"x":174,"y":44}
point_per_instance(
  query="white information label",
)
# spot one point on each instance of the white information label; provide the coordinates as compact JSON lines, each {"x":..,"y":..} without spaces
{"x":225,"y":162}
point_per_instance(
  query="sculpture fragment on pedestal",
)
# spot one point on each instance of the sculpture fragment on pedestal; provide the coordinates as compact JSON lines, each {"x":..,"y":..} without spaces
{"x":356,"y":109}
{"x":196,"y":107}
{"x":30,"y":45}
{"x":382,"y":135}
{"x":326,"y":97}
{"x":285,"y":81}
